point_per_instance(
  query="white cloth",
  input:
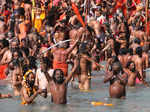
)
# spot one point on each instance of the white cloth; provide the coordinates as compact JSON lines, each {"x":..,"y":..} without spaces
{"x":50,"y":72}
{"x":41,"y":80}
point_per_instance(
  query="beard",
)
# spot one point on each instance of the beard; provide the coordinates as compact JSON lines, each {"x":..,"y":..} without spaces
{"x":116,"y":72}
{"x":31,"y":83}
{"x":60,"y":80}
{"x":132,"y":70}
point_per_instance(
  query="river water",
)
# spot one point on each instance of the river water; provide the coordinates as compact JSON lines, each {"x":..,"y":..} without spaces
{"x":137,"y":99}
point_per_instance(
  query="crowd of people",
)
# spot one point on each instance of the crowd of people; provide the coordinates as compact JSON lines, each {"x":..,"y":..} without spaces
{"x":40,"y":38}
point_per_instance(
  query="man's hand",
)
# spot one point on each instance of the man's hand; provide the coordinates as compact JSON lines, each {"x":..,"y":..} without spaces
{"x":80,"y":32}
{"x":108,"y":77}
{"x":6,"y":96}
{"x":40,"y":91}
{"x":9,"y":96}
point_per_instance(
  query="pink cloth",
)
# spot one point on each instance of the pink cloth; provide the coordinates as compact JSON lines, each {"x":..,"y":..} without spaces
{"x":55,"y":2}
{"x":138,"y":81}
{"x":97,"y":1}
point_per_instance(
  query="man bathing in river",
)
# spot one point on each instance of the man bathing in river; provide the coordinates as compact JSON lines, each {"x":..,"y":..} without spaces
{"x":58,"y":85}
{"x":29,"y":92}
{"x":118,"y":80}
{"x":132,"y":73}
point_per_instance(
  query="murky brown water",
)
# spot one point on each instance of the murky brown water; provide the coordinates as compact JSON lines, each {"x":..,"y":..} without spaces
{"x":137,"y":100}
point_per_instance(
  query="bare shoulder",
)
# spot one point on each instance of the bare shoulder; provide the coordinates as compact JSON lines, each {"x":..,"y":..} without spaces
{"x":8,"y":53}
{"x":124,"y":75}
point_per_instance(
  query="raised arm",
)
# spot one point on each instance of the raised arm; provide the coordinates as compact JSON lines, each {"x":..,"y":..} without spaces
{"x":92,"y":60}
{"x":79,"y":36}
{"x":108,"y":77}
{"x":71,"y":74}
{"x":48,"y":77}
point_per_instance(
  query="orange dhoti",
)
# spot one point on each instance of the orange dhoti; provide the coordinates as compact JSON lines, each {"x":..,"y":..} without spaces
{"x":62,"y":66}
{"x":2,"y":72}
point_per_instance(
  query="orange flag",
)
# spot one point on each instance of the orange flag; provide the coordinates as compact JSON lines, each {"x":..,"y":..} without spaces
{"x":76,"y":11}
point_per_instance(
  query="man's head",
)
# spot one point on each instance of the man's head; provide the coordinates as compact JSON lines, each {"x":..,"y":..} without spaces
{"x":14,"y":44}
{"x":58,"y":76}
{"x":139,"y":51}
{"x":130,"y":51}
{"x":24,"y":42}
{"x":5,"y":43}
{"x":137,"y":41}
{"x":10,"y":34}
{"x":32,"y":62}
{"x":14,"y":63}
{"x":145,"y":48}
{"x":63,"y":45}
{"x":123,"y":51}
{"x":114,"y":59}
{"x":116,"y":67}
{"x":45,"y":64}
{"x":131,"y":66}
{"x":15,"y":54}
{"x":29,"y":78}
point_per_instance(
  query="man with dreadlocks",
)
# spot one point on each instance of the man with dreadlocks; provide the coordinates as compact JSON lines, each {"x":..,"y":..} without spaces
{"x":58,"y":85}
{"x":28,"y":91}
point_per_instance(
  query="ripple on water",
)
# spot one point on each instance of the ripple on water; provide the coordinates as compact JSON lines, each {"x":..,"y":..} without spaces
{"x":137,"y":100}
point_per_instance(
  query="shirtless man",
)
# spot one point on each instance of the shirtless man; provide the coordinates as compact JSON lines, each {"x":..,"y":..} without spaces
{"x":84,"y":62}
{"x":3,"y":28}
{"x":122,"y":39}
{"x":136,"y":43}
{"x":58,"y":85}
{"x":16,"y":77}
{"x":141,"y":35}
{"x":72,"y":34}
{"x":111,"y":44}
{"x":61,"y":55}
{"x":118,"y":81}
{"x":96,"y":26}
{"x":85,"y":66}
{"x":7,"y":56}
{"x":145,"y":57}
{"x":27,"y":8}
{"x":28,"y":91}
{"x":137,"y":59}
{"x":123,"y":57}
{"x":3,"y":48}
{"x":132,"y":73}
